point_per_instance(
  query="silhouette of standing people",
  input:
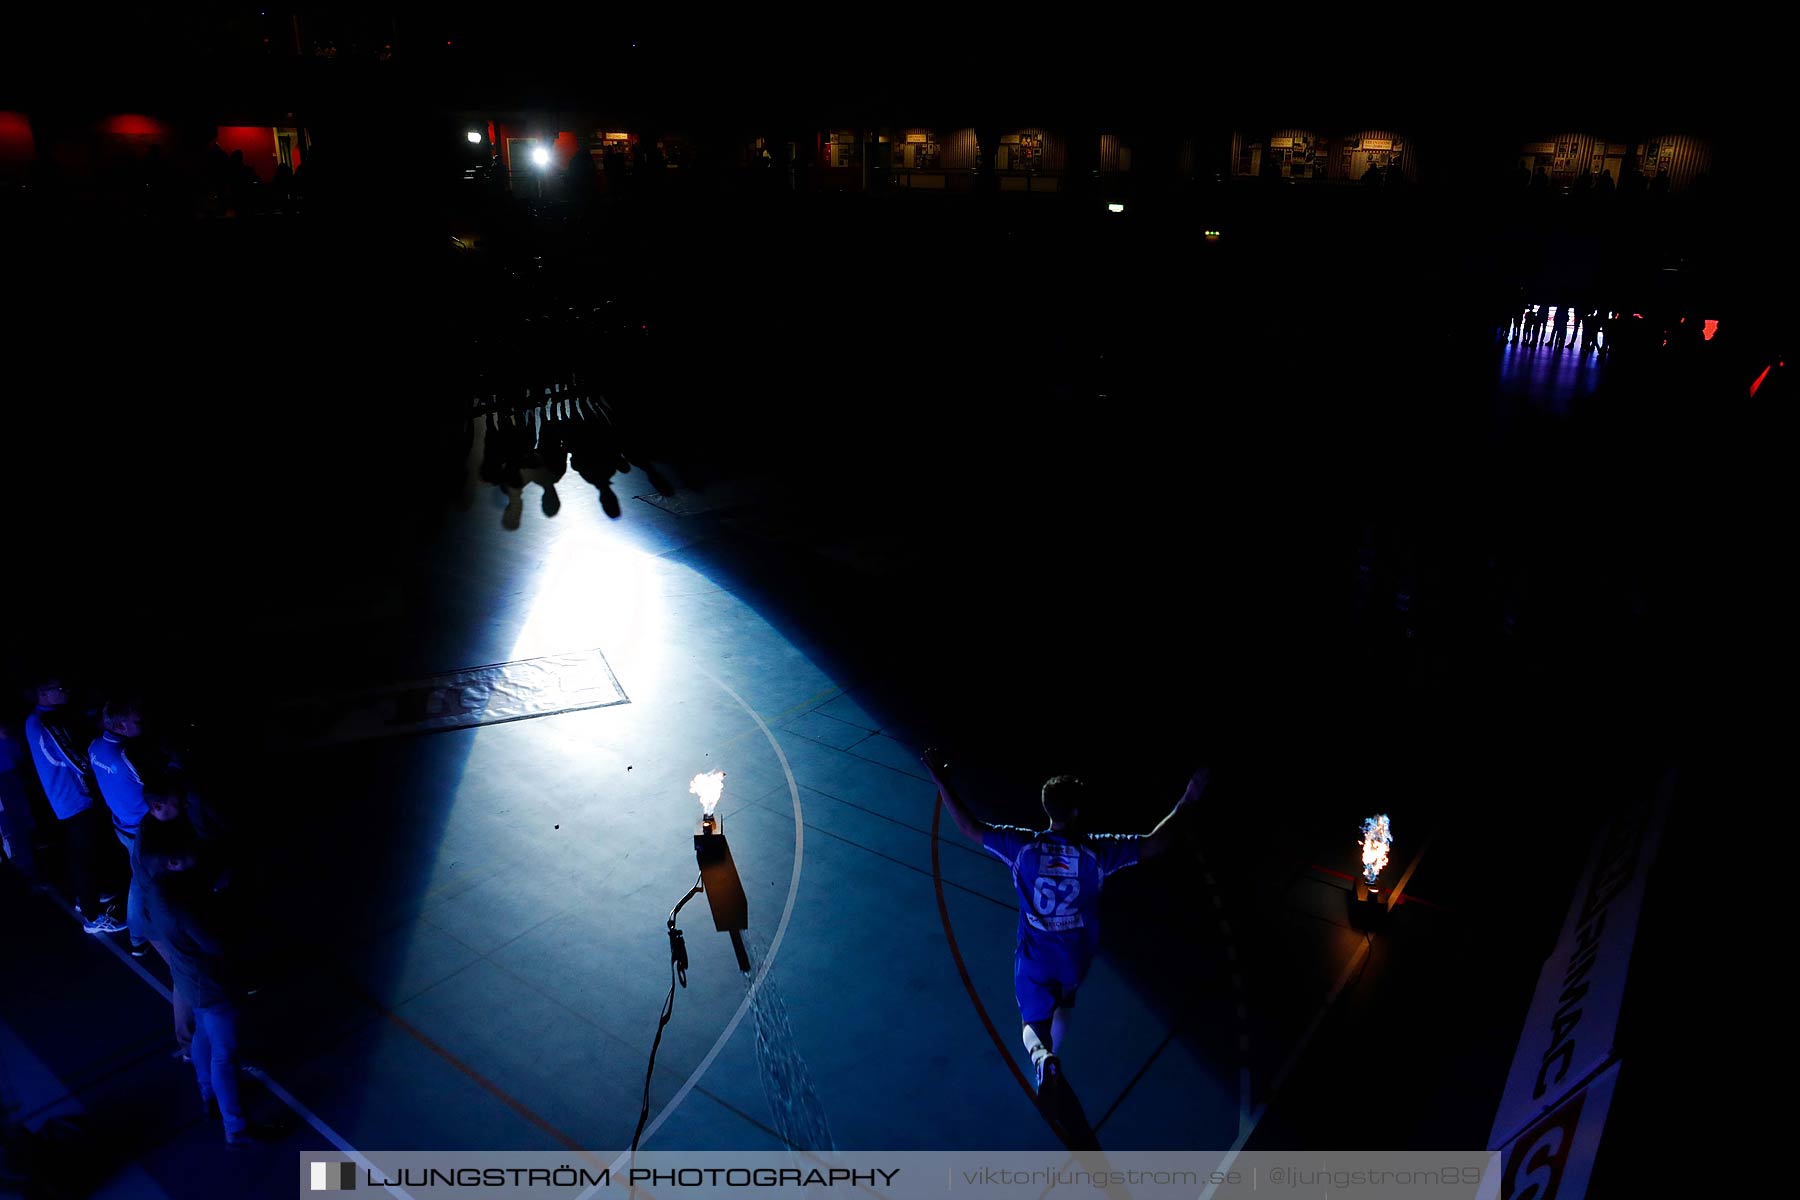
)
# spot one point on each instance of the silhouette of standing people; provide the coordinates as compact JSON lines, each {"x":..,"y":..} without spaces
{"x":580,"y":180}
{"x":241,"y":186}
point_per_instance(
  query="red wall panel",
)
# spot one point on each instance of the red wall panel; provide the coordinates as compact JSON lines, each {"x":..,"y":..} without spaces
{"x":258,"y":144}
{"x":16,"y":146}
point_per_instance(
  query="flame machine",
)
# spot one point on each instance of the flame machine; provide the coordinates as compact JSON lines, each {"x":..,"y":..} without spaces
{"x":1377,"y":838}
{"x":718,"y":873}
{"x":724,"y":895}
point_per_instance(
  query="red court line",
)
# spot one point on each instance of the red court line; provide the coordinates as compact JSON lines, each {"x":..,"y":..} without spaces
{"x":962,"y":968}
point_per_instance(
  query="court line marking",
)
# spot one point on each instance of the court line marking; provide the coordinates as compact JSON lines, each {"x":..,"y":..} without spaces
{"x":899,"y":862}
{"x":1256,"y":1116}
{"x":1393,"y":899}
{"x":972,"y":851}
{"x":1239,"y":992}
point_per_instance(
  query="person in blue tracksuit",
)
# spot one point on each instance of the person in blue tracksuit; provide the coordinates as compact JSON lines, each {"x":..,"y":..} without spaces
{"x":1058,"y":873}
{"x":57,"y":738}
{"x":115,"y":757}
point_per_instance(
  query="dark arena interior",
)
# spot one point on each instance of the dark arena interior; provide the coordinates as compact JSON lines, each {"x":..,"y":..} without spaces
{"x":438,"y":443}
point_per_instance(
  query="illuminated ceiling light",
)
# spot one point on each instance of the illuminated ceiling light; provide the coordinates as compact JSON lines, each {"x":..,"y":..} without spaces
{"x":474,"y":138}
{"x":540,"y":156}
{"x":1115,"y":208}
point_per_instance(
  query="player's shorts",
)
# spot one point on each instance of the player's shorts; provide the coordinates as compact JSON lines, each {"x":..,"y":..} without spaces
{"x":1045,"y":980}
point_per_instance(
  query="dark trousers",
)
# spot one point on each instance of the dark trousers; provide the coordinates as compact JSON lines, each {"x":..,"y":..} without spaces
{"x":94,"y":858}
{"x":214,"y":1052}
{"x":79,"y":844}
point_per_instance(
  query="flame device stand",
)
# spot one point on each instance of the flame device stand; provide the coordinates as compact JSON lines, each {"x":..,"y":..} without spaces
{"x":724,"y":890}
{"x":1368,"y":907}
{"x":730,"y":913}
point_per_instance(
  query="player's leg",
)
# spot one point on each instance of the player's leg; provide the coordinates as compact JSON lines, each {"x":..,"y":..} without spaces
{"x":1037,"y":1008}
{"x":1064,"y":987}
{"x":1041,"y":1044}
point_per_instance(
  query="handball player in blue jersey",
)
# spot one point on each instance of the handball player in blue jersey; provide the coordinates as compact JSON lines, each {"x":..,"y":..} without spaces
{"x":1058,"y":873}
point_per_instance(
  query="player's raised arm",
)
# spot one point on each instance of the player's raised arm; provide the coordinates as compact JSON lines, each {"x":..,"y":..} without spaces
{"x":966,"y":821}
{"x":1163,"y":836}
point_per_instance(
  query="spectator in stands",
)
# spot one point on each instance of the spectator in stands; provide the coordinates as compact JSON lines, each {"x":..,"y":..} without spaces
{"x":580,"y":180}
{"x":242,"y":185}
{"x":281,"y":188}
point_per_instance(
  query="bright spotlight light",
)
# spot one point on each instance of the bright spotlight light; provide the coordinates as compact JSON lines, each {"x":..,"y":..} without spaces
{"x":474,"y":138}
{"x":1115,"y":208}
{"x":540,"y":156}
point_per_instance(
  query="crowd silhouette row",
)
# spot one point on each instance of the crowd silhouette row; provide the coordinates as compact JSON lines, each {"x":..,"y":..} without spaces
{"x":535,"y":435}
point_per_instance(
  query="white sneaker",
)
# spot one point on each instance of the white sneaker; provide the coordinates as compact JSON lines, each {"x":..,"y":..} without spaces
{"x":104,"y":923}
